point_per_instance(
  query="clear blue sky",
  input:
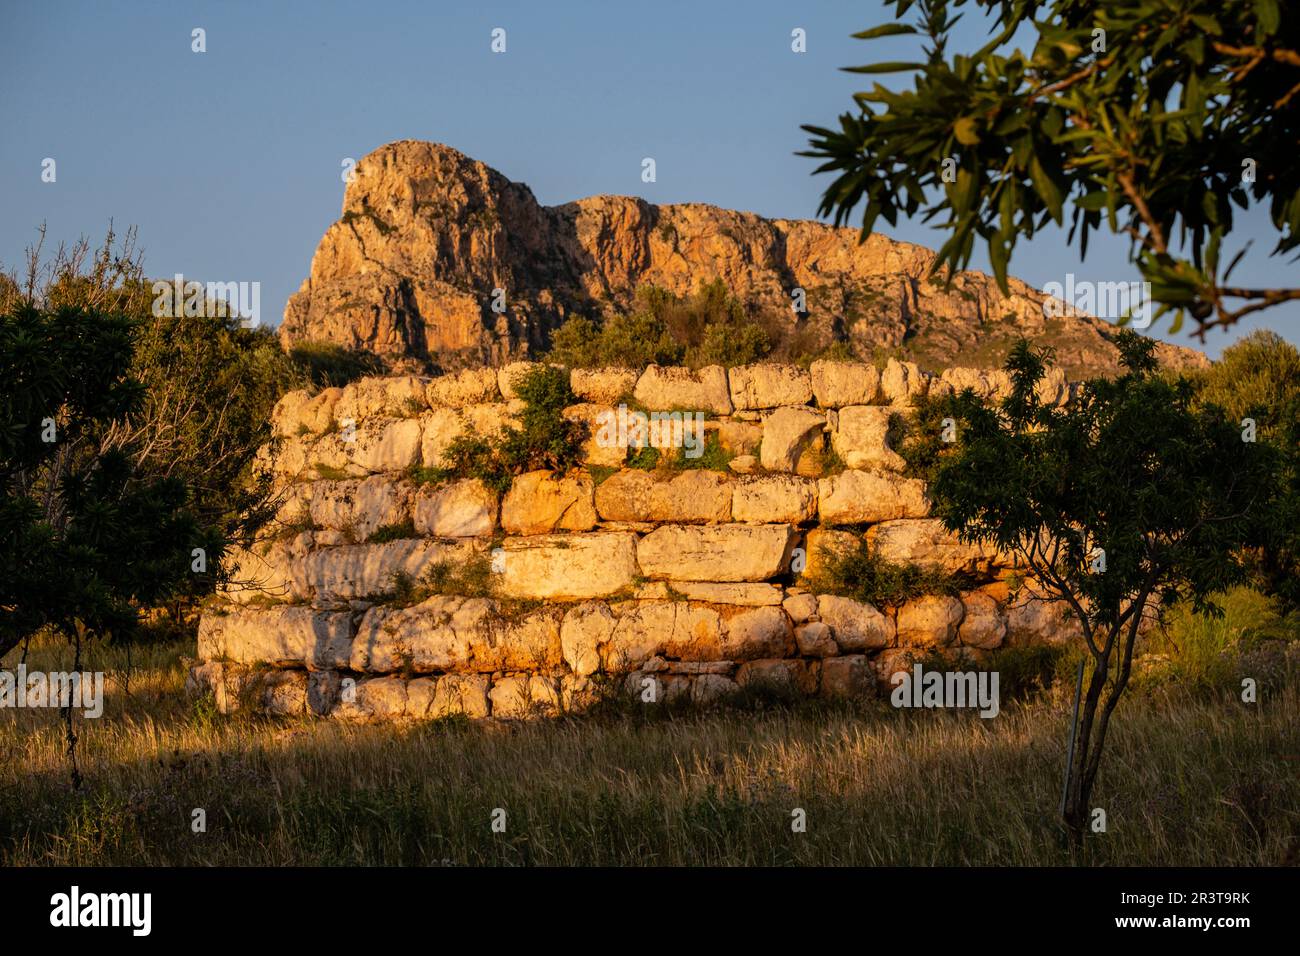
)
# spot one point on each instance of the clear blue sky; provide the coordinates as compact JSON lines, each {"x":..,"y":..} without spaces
{"x":229,"y":161}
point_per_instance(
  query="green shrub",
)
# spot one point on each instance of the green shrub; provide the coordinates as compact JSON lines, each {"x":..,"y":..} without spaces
{"x":326,"y":365}
{"x":1204,"y":648}
{"x":863,"y":575}
{"x":397,"y":531}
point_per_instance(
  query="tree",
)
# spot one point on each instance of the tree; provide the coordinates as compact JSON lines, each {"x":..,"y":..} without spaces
{"x":85,"y":541}
{"x":1158,"y":116}
{"x":1127,"y":497}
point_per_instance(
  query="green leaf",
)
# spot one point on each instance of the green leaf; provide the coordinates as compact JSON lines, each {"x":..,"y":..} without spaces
{"x":887,"y":67}
{"x":884,"y":30}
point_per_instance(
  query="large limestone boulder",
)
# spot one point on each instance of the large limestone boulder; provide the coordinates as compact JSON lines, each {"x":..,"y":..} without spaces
{"x":397,"y":396}
{"x":287,"y":415}
{"x":381,"y":698}
{"x":983,"y":624}
{"x":603,"y":446}
{"x":823,"y":545}
{"x":690,"y":497}
{"x":510,"y":375}
{"x":926,"y":542}
{"x":902,"y":382}
{"x":836,"y":384}
{"x":650,"y":629}
{"x":729,"y":552}
{"x":471,"y":387}
{"x":385,"y":444}
{"x":461,"y":509}
{"x":860,"y":437}
{"x":568,"y":567}
{"x":361,"y":506}
{"x":446,"y":633}
{"x":281,"y":636}
{"x":460,"y":694}
{"x":783,"y":676}
{"x":268,"y":571}
{"x":860,"y":497}
{"x":769,"y":386}
{"x":584,"y":632}
{"x":739,"y":438}
{"x":369,"y":570}
{"x":710,"y":592}
{"x":602,"y":386}
{"x":763,"y":499}
{"x":929,"y":621}
{"x":665,"y":388}
{"x":520,"y":696}
{"x":1034,"y":616}
{"x":541,"y":502}
{"x":816,"y":639}
{"x":788,"y":433}
{"x":855,"y":625}
{"x":757,"y":632}
{"x":847,"y":678}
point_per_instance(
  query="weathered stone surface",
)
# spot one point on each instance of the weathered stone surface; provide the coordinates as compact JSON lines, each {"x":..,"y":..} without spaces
{"x":745,"y":595}
{"x":857,"y":497}
{"x":269,"y":571}
{"x":926,"y":542}
{"x":769,"y":386}
{"x":890,"y":662}
{"x":666,"y":388}
{"x":760,"y":632}
{"x":470,"y":387}
{"x":836,"y":384}
{"x":585,"y":631}
{"x":787,"y":435}
{"x":763,"y":499}
{"x":782,"y":676}
{"x":856,"y":626}
{"x":821,"y":546}
{"x":815,"y":639}
{"x":382,"y":698}
{"x":287,"y":415}
{"x":540,"y":502}
{"x":458,"y":634}
{"x":568,"y":567}
{"x":740,"y":438}
{"x":847,"y":678}
{"x":983,"y":624}
{"x":395,"y":396}
{"x":690,"y":497}
{"x":603,"y":445}
{"x":361,"y":506}
{"x":509,"y":376}
{"x":860,"y":438}
{"x":519,"y":696}
{"x":901,"y":382}
{"x":730,"y":552}
{"x":358,"y":571}
{"x":460,"y":694}
{"x":323,"y":692}
{"x":801,"y":607}
{"x":929,"y":621}
{"x":649,"y":629}
{"x":461,"y":509}
{"x":604,"y":386}
{"x":284,"y":636}
{"x":1033,"y":617}
{"x":386,"y":444}
{"x":711,"y":689}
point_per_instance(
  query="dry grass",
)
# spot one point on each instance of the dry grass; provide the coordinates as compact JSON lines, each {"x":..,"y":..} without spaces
{"x":1188,"y":780}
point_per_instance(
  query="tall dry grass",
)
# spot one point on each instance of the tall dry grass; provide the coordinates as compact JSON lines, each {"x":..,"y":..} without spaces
{"x":1188,"y":779}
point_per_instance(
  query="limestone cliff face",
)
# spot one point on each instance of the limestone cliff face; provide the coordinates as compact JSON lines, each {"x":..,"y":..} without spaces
{"x":427,"y":234}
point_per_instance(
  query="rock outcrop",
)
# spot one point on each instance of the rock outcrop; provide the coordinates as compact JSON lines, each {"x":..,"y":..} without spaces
{"x":440,"y":263}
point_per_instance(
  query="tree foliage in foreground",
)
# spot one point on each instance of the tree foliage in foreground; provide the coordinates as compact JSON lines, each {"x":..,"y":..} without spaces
{"x":1128,"y":496}
{"x":1157,"y":119}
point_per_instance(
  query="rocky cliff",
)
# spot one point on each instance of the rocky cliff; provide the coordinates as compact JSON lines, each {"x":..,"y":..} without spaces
{"x":427,"y":235}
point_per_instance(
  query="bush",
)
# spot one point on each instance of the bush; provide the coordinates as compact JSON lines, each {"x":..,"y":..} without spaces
{"x":863,"y":575}
{"x":397,"y":531}
{"x":326,"y":365}
{"x":1204,"y":648}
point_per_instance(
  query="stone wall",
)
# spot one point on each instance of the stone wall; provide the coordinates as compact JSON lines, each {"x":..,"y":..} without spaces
{"x":672,"y":583}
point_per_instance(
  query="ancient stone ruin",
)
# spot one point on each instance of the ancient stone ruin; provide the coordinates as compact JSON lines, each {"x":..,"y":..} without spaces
{"x":665,"y":584}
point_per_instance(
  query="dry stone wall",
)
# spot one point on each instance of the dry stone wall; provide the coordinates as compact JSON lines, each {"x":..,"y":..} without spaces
{"x":665,"y":584}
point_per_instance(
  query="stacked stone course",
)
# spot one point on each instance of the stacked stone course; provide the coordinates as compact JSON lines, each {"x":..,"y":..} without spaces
{"x":680,"y":582}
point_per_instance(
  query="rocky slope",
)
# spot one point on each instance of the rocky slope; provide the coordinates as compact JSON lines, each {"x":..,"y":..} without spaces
{"x":427,"y":234}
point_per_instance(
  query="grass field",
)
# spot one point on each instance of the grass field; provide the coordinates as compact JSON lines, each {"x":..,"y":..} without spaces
{"x":1191,"y":777}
